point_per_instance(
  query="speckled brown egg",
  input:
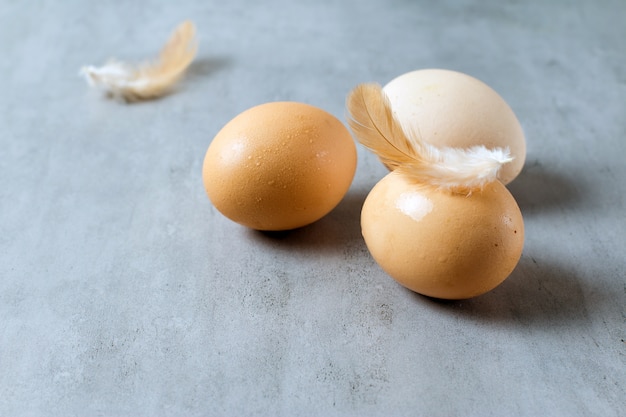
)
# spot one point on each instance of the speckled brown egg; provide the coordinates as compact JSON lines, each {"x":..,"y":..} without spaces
{"x":449,"y":108}
{"x":279,"y":166}
{"x":441,"y":244}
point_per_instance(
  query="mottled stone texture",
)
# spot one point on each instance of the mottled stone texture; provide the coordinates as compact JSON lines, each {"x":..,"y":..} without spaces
{"x":123,"y":292}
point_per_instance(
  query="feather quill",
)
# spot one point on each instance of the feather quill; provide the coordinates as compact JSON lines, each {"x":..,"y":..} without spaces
{"x":148,"y":80}
{"x":372,"y":121}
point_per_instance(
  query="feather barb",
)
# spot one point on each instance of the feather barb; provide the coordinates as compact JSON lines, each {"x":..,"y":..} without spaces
{"x":374,"y":124}
{"x":147,"y":80}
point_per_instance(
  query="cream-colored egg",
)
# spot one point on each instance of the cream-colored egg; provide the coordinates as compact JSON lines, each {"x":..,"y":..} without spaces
{"x":279,"y":166}
{"x":449,"y":108}
{"x":441,"y":244}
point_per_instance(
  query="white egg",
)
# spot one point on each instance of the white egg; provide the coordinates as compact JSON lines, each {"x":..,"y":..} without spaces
{"x":449,"y":108}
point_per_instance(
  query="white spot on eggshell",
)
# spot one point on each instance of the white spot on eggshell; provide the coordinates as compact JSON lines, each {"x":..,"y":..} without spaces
{"x":414,"y":205}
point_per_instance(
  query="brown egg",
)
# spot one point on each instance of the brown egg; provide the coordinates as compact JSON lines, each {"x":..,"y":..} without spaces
{"x":279,"y":166}
{"x":441,"y":244}
{"x":449,"y":108}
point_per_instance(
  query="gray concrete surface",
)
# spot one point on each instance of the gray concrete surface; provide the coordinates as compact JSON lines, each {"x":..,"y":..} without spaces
{"x":123,"y":292}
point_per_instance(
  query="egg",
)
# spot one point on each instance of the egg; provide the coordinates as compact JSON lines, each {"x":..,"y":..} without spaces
{"x":279,"y":166}
{"x":439,"y":243}
{"x":449,"y":108}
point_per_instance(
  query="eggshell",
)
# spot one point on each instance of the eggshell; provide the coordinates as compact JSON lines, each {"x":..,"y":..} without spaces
{"x":279,"y":166}
{"x":441,"y":244}
{"x":449,"y":108}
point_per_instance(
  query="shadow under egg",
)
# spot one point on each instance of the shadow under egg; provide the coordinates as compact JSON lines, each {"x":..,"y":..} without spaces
{"x":540,"y":293}
{"x":338,"y":230}
{"x":539,"y":188}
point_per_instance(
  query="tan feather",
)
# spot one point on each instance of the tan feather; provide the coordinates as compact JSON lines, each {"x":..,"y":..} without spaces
{"x":376,"y":128}
{"x":373,"y":123}
{"x":148,"y":80}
